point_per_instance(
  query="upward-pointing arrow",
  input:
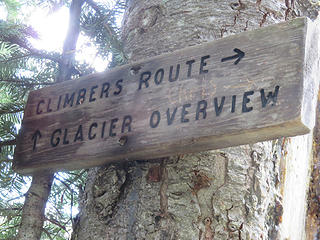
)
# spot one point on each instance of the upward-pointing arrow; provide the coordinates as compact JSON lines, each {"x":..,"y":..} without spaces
{"x":34,"y":138}
{"x":239,"y":55}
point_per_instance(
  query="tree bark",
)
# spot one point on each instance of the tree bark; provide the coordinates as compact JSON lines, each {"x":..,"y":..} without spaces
{"x":34,"y":206}
{"x":66,"y":67}
{"x":255,"y":191}
{"x":313,"y":216}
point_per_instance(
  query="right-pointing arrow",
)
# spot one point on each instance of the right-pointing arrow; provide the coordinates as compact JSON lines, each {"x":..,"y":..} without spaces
{"x":239,"y":56}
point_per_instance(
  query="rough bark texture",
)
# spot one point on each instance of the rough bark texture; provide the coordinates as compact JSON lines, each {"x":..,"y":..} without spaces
{"x":313,"y":216}
{"x":34,"y":206}
{"x":248,"y":192}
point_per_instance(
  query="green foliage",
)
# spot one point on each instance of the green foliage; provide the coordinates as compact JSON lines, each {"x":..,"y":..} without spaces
{"x":23,"y":69}
{"x":102,"y":27}
{"x":7,"y":49}
{"x":12,"y":7}
{"x":11,"y":220}
{"x":12,"y":100}
{"x":62,"y":202}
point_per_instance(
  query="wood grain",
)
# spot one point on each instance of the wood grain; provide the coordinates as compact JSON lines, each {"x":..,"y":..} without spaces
{"x":182,"y":102}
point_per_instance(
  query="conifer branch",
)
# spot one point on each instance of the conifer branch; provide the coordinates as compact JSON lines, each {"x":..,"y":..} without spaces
{"x":10,"y":111}
{"x":11,"y":142}
{"x":55,"y":222}
{"x":24,"y":83}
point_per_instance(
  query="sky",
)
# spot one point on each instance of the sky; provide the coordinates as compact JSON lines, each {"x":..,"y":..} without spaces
{"x":3,"y":13}
{"x":52,"y":29}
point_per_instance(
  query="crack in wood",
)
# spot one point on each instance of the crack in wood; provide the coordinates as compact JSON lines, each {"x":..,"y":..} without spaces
{"x":232,"y":228}
{"x":163,"y":189}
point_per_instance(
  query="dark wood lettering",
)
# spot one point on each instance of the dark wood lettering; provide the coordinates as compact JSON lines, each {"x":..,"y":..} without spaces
{"x":105,"y":90}
{"x":184,"y":112}
{"x":245,"y":101}
{"x":92,"y":92}
{"x":233,"y":104}
{"x":203,"y":64}
{"x":127,"y":120}
{"x":68,"y":100}
{"x":38,"y":107}
{"x":90,"y":136}
{"x":119,"y":87}
{"x":81,"y":96}
{"x":113,"y":126}
{"x":218,"y":108}
{"x":201,"y":108}
{"x":57,"y":139}
{"x":213,"y":86}
{"x":103,"y":128}
{"x":59,"y":102}
{"x":270,"y":97}
{"x":48,"y":106}
{"x":158,"y":118}
{"x":176,"y":75}
{"x":238,"y":56}
{"x":144,"y":78}
{"x":79,"y":134}
{"x":170,"y":117}
{"x":189,"y":63}
{"x":158,"y":79}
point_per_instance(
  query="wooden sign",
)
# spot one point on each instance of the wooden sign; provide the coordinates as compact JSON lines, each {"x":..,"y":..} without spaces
{"x":241,"y":89}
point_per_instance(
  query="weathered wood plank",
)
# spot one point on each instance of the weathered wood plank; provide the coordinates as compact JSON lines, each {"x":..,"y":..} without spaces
{"x":241,"y":89}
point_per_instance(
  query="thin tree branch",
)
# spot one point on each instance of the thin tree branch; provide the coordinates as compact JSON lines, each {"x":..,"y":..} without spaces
{"x":7,"y":160}
{"x":20,"y":82}
{"x":58,"y":211}
{"x":55,"y":222}
{"x":11,"y":142}
{"x":11,"y":209}
{"x":71,"y":206}
{"x":94,"y":6}
{"x":41,"y":54}
{"x":10,"y":227}
{"x":11,"y":111}
{"x":65,"y":184}
{"x":109,"y":30}
{"x":77,"y":176}
{"x":20,"y":196}
{"x":35,"y":52}
{"x":15,"y":58}
{"x":47,"y":232}
{"x":9,"y":217}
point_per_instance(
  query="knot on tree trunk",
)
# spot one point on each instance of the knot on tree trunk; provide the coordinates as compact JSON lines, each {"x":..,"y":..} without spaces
{"x":107,"y":190}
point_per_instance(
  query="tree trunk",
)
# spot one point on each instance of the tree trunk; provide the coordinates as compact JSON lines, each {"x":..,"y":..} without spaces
{"x":34,"y":206}
{"x":313,"y":213}
{"x":255,"y":191}
{"x":32,"y":220}
{"x":66,"y":68}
